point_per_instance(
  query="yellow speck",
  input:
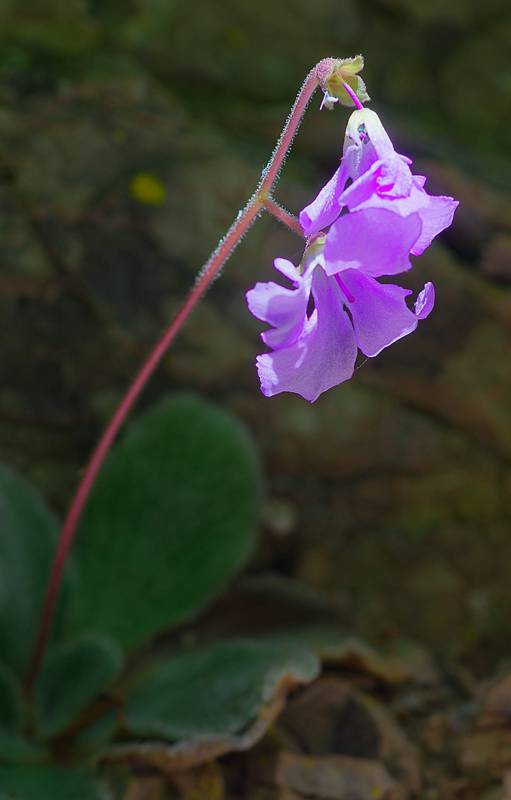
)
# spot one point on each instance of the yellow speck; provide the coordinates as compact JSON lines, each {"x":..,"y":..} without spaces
{"x":147,"y":189}
{"x":236,"y":38}
{"x":119,"y":135}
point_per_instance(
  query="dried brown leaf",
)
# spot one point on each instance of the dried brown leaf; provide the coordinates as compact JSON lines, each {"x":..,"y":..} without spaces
{"x":335,"y":777}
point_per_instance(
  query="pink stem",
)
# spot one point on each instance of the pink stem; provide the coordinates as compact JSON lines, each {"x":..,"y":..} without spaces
{"x":271,"y":171}
{"x":283,"y":216}
{"x":344,"y":289}
{"x":206,"y":276}
{"x":353,"y":95}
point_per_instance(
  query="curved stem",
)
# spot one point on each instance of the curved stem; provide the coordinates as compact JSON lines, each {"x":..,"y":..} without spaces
{"x":271,"y":171}
{"x":210,"y":270}
{"x":212,"y":267}
{"x":353,"y":95}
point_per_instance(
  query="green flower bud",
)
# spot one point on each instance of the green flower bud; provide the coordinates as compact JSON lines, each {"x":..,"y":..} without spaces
{"x":333,"y":73}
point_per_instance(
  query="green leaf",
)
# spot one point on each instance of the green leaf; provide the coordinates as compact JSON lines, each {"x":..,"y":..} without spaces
{"x":215,"y":690}
{"x":45,"y":782}
{"x":170,"y":521}
{"x":14,"y":747}
{"x":94,"y":738}
{"x":11,"y":702}
{"x":17,"y":749}
{"x":72,"y":675}
{"x":27,"y":536}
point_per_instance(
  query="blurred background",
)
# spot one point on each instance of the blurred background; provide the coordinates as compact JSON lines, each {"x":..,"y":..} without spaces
{"x":131,"y":134}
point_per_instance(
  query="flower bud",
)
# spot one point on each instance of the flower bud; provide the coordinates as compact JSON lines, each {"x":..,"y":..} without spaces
{"x":333,"y":73}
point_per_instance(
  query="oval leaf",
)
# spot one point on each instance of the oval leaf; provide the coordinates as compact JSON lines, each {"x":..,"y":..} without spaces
{"x":27,"y":536}
{"x":72,"y":675}
{"x":170,"y":520}
{"x":215,"y":690}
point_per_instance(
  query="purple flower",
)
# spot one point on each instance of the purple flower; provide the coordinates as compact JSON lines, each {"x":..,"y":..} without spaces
{"x":379,"y":214}
{"x":391,"y":215}
{"x":317,"y":350}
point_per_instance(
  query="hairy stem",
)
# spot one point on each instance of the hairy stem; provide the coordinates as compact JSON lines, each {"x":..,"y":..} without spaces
{"x":259,"y":201}
{"x":282,"y":215}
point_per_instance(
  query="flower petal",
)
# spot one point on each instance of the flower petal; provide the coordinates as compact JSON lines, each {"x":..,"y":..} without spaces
{"x":368,"y":193}
{"x":375,"y":240}
{"x":322,"y":357}
{"x":425,"y":301}
{"x":288,"y":269}
{"x":364,"y":125}
{"x":284,"y":309}
{"x":379,"y":312}
{"x":395,"y":179}
{"x":435,"y":217}
{"x":363,"y":188}
{"x":325,"y":208}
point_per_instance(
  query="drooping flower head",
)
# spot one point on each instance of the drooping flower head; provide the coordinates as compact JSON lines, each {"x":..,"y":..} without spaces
{"x":374,"y":179}
{"x":364,"y":224}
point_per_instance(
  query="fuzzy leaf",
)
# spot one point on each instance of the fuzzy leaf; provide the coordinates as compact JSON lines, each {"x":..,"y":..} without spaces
{"x":215,"y":690}
{"x":27,"y":536}
{"x":72,"y":675}
{"x":170,"y":521}
{"x":45,"y":782}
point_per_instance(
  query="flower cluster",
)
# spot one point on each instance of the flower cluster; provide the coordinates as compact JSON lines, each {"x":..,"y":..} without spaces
{"x":364,"y":224}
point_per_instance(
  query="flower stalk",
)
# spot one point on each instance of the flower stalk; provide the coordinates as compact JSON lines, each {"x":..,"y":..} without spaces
{"x":260,"y":201}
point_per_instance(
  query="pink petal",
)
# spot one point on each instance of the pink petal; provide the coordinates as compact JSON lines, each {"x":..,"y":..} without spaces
{"x":376,"y":241}
{"x":363,"y":188}
{"x":325,"y":208}
{"x":288,"y":269}
{"x":322,"y":357}
{"x":419,"y":180}
{"x":435,"y":217}
{"x":284,"y":309}
{"x":425,"y":301}
{"x":379,"y":312}
{"x":404,"y":206}
{"x":377,"y":134}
